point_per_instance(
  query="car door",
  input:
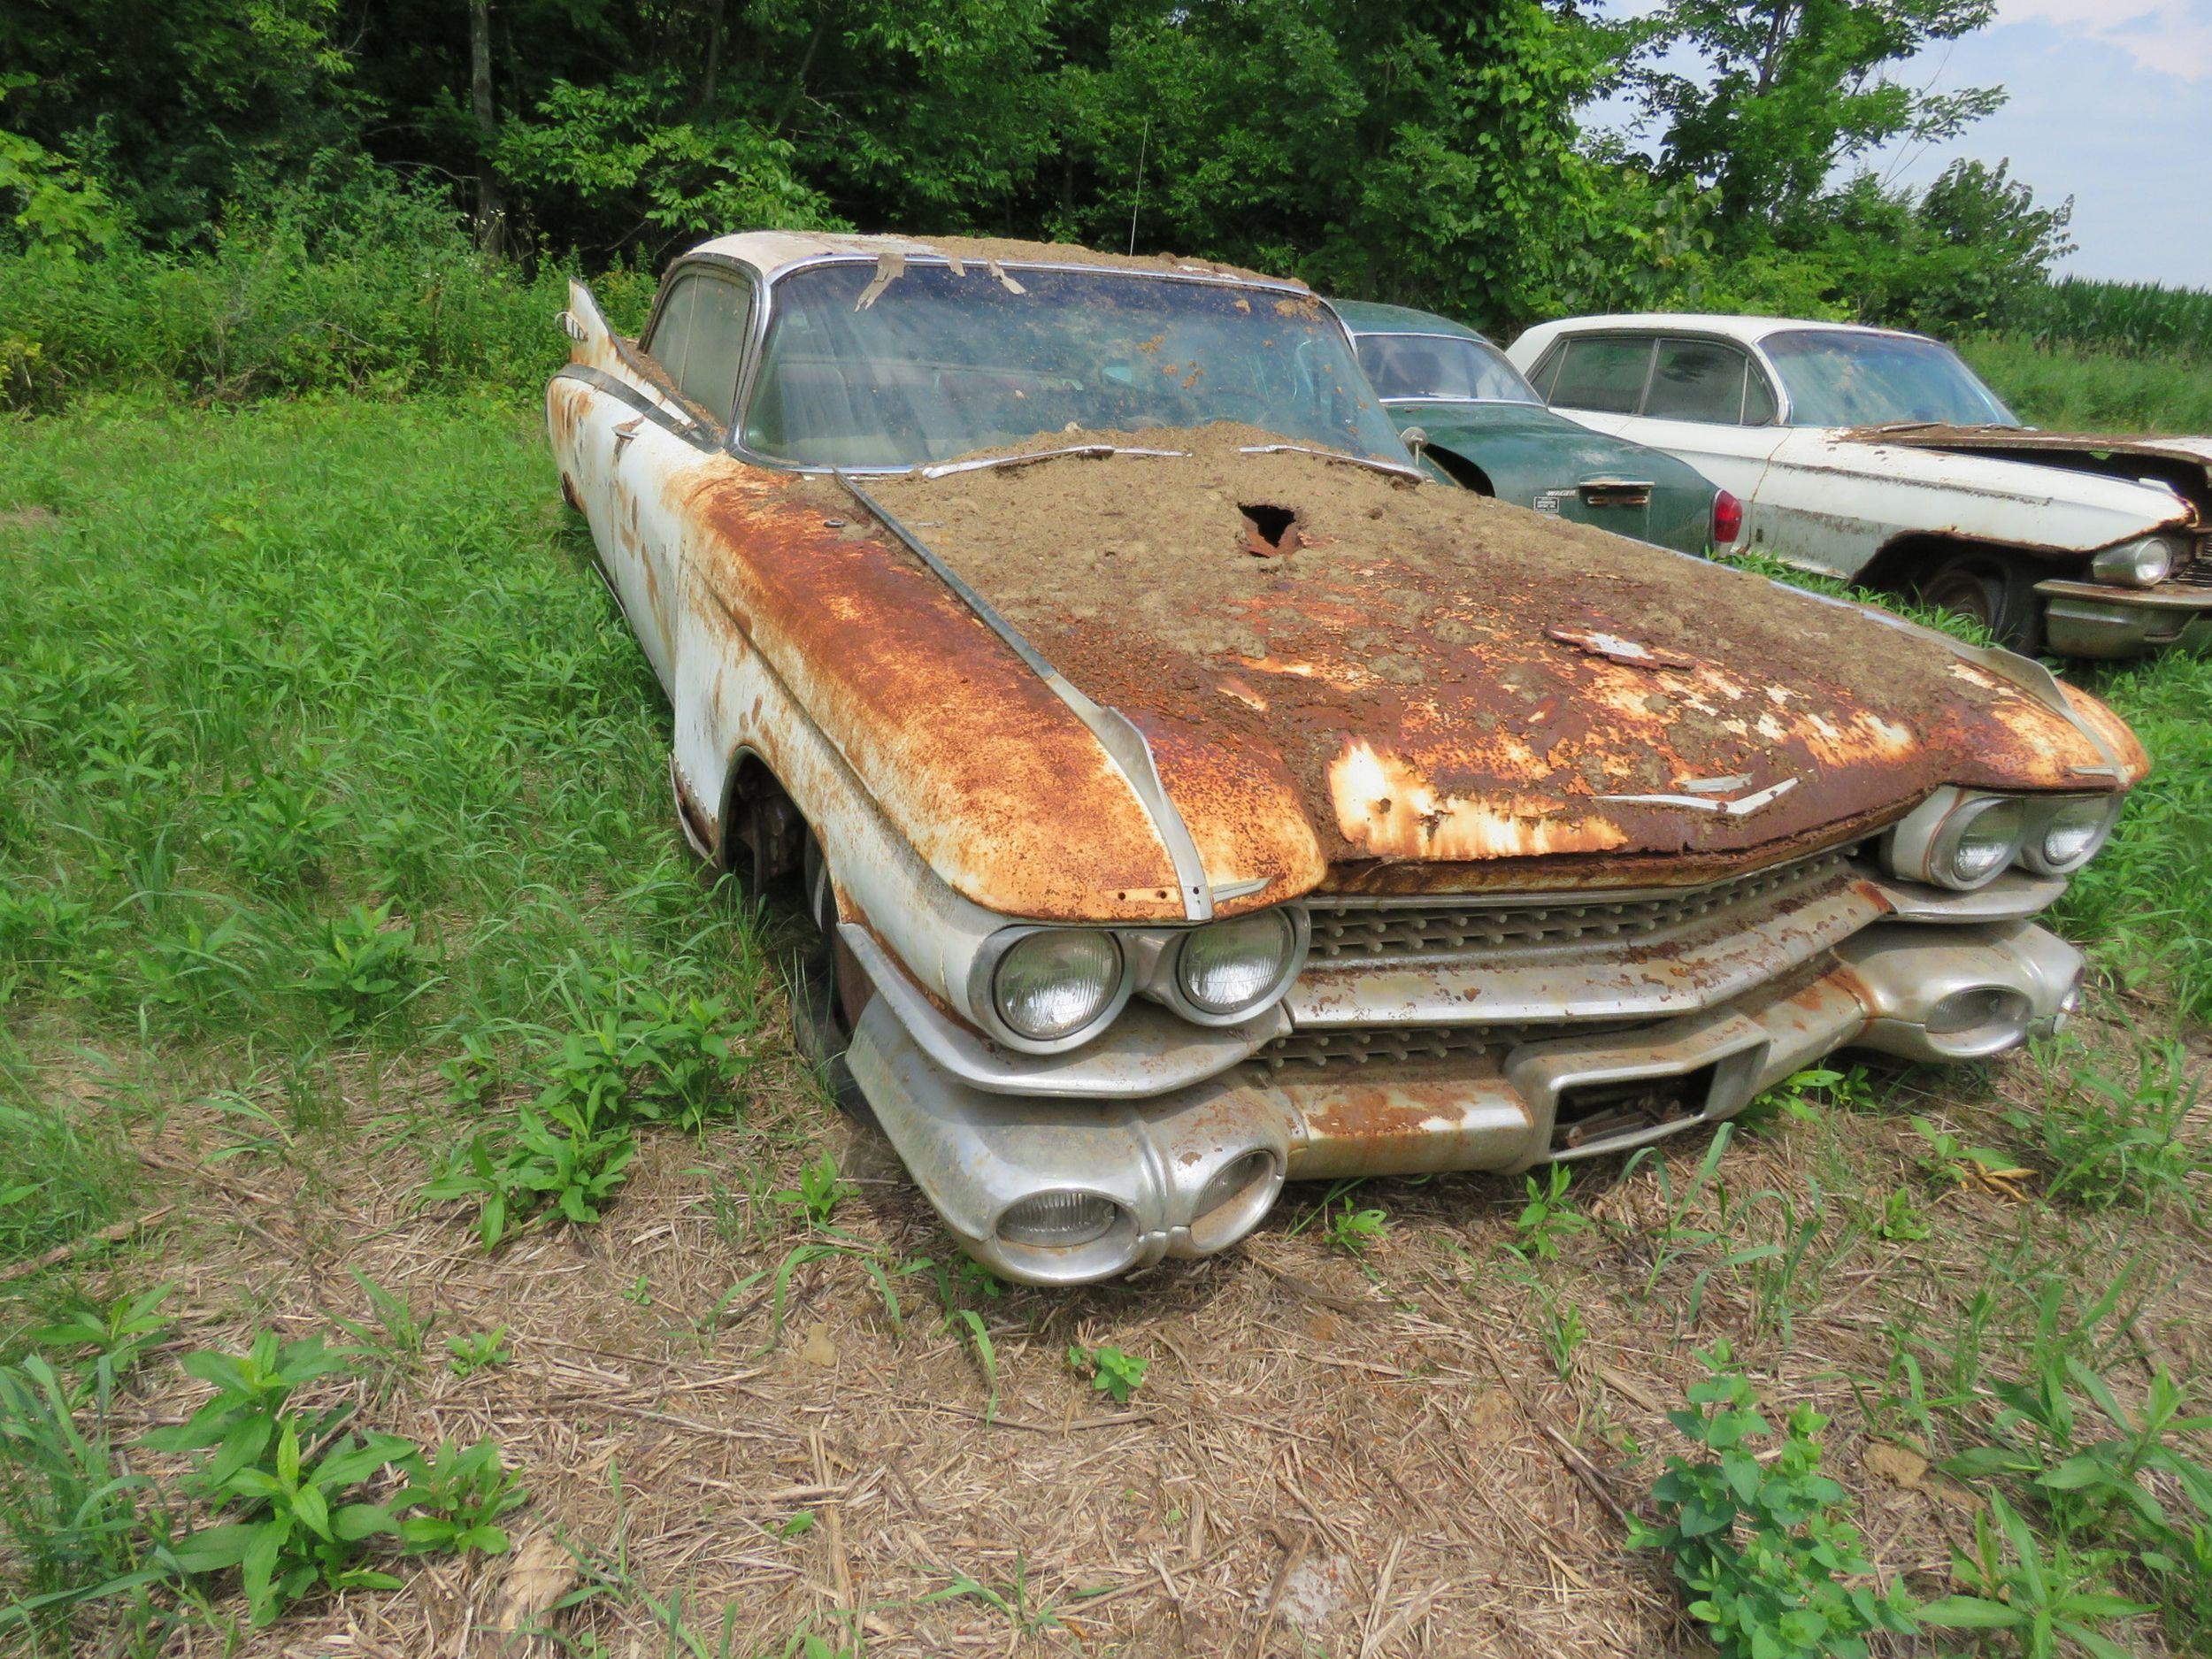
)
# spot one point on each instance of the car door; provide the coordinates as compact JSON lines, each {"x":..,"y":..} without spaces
{"x":1706,"y":403}
{"x":696,"y":339}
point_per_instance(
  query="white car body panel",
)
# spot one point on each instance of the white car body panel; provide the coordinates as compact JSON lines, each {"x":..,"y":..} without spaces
{"x":1828,"y":499}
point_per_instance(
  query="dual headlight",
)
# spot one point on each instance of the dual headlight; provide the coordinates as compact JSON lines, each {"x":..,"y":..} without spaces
{"x":2143,"y":563}
{"x":1054,"y":987}
{"x":1961,"y":839}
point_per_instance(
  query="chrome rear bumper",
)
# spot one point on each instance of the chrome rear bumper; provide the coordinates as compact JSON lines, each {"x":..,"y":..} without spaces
{"x":1895,"y":986}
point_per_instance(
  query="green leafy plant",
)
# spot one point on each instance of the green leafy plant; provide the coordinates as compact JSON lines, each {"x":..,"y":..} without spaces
{"x":478,"y":1352}
{"x":1112,"y":1371}
{"x":1951,"y":1162}
{"x":1353,"y":1231}
{"x":296,"y":1486}
{"x":562,"y":1161}
{"x":1564,"y":1332}
{"x":252,"y":1392}
{"x":1760,"y":1544}
{"x":2119,"y":1488}
{"x":2042,"y":1600}
{"x":117,"y":1332}
{"x":70,"y":1507}
{"x":815,"y":1199}
{"x":459,"y":1495}
{"x":1901,"y":1221}
{"x":1549,"y":1218}
{"x":1804,"y":1093}
{"x":300,"y":1533}
{"x":279,"y":829}
{"x":2110,"y":1141}
{"x":365,"y":965}
{"x":399,"y":1333}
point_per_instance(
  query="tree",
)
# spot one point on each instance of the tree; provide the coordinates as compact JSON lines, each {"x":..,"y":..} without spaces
{"x":1787,"y":90}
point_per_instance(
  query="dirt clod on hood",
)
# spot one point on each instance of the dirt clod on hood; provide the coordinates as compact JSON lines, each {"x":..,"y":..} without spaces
{"x":1410,"y":578}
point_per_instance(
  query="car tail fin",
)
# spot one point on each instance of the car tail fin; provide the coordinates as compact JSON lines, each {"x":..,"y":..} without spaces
{"x":590,"y":340}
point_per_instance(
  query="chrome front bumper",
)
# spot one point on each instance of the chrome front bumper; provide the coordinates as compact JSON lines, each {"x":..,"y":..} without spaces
{"x":1507,"y":1107}
{"x":2097,"y":619}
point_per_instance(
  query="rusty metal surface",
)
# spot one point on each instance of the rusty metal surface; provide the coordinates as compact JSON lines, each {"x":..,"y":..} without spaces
{"x":1486,"y":700}
{"x":998,"y":785}
{"x":1553,"y":678}
{"x":974,"y":1154}
{"x":2185,"y":463}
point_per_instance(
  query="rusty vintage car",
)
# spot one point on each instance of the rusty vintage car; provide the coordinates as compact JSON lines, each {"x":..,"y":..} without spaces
{"x":1186,"y":795}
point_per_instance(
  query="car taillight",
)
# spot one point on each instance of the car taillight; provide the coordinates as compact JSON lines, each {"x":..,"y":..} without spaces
{"x":1727,"y":519}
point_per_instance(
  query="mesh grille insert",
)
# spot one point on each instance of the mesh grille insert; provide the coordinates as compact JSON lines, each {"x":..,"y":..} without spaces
{"x":1350,"y":932}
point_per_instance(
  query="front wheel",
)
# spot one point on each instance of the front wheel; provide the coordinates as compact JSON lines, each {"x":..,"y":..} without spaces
{"x":827,"y":992}
{"x":1989,"y":588}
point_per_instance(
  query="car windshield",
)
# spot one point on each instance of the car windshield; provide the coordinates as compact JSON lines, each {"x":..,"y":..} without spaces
{"x":1836,"y":378}
{"x":861,"y":373}
{"x":1441,"y":365}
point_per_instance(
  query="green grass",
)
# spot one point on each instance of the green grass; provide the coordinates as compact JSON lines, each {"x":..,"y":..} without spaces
{"x":317,"y":736}
{"x":2081,"y":388}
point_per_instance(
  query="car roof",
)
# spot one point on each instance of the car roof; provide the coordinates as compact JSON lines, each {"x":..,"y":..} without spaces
{"x":773,"y":251}
{"x":1746,"y":329}
{"x":1369,"y":316}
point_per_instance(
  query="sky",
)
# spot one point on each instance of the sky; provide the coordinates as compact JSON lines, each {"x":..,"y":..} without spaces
{"x":2111,"y":103}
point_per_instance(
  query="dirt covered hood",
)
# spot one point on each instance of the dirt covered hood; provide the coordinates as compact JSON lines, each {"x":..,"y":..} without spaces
{"x":1338,"y":667}
{"x":2183,"y":465}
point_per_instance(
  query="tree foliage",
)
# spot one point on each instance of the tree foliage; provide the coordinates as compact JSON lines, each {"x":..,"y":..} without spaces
{"x":1401,"y":149}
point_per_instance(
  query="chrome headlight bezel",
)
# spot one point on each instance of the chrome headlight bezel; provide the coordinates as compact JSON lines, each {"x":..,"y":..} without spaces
{"x":2145,"y":562}
{"x":1924,"y":845}
{"x":1168,"y":981}
{"x":2041,"y":813}
{"x":984,"y":998}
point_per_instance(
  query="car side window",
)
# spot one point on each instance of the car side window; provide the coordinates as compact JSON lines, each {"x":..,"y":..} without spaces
{"x":1758,"y":399}
{"x":1698,"y":380}
{"x":1603,"y":373}
{"x":700,"y":336}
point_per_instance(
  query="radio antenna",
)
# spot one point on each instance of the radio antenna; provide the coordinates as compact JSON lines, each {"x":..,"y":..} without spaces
{"x":1143,"y":139}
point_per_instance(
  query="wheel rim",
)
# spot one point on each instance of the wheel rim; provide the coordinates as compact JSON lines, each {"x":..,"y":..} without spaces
{"x":1965,"y":592}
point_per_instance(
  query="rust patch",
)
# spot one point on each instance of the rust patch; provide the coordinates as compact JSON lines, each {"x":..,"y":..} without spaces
{"x":1444,"y":681}
{"x":986,"y":773}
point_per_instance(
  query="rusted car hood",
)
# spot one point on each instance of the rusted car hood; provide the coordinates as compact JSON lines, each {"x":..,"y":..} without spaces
{"x":2183,"y":464}
{"x":1430,"y":691}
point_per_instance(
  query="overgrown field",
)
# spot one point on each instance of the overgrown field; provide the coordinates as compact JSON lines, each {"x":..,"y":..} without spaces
{"x":354,"y":981}
{"x":2082,"y":389}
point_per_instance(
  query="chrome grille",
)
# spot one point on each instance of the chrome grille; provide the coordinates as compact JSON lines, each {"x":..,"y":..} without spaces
{"x":1353,"y":932}
{"x":2196,"y":570}
{"x":1394,"y":1045}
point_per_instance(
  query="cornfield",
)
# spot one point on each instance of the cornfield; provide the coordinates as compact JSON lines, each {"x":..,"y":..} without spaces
{"x":2139,"y":317}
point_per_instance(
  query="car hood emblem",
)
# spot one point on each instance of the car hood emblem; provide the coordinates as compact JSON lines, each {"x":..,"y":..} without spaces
{"x":1711,"y":795}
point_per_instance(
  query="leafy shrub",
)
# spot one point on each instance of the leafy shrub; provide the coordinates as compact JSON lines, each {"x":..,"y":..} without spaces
{"x":354,"y":283}
{"x":365,"y":965}
{"x":1761,"y":1547}
{"x":562,"y":1159}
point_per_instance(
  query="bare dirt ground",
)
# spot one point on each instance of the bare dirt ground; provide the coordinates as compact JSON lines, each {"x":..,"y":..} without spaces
{"x":1427,"y":1446}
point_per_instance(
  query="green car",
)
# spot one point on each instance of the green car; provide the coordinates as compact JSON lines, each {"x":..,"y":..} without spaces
{"x":1471,"y":418}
